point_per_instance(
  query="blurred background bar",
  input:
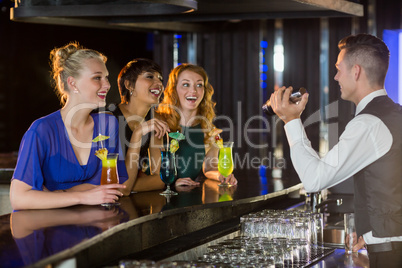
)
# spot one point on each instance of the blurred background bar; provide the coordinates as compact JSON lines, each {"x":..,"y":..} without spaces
{"x":247,"y":48}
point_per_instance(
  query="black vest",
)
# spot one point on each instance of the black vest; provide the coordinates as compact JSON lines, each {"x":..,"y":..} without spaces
{"x":378,"y":187}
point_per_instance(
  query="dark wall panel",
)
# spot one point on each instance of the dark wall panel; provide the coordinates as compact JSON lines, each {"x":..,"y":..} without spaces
{"x":26,"y":92}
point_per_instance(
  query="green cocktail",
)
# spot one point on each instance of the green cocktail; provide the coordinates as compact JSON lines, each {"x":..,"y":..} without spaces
{"x":225,"y":164}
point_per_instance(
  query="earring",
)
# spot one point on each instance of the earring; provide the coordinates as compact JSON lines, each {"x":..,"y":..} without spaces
{"x":131,"y":93}
{"x":75,"y":89}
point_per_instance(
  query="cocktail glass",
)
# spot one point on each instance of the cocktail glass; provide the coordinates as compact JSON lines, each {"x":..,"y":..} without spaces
{"x":225,"y":162}
{"x":109,"y":173}
{"x":168,"y":170}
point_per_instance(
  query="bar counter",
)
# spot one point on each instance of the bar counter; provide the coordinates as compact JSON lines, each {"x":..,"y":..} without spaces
{"x":146,"y":225}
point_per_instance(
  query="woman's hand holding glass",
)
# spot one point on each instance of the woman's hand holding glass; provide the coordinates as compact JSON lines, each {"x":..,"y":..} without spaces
{"x":231,"y":180}
{"x":90,"y":195}
{"x":225,"y":163}
{"x":103,"y":194}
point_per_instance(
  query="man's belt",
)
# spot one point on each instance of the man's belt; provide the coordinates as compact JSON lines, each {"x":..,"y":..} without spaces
{"x":383,"y":247}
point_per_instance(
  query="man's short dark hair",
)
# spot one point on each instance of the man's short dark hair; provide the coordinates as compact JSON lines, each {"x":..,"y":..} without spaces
{"x":370,"y":52}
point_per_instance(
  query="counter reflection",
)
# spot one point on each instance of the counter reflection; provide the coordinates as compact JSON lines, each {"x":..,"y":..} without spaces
{"x":31,"y":236}
{"x":39,"y":234}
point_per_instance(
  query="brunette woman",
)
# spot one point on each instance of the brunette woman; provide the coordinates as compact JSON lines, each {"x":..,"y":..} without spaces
{"x":140,"y":85}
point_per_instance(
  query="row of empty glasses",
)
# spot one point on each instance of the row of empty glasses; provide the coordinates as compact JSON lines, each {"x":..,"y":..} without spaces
{"x":269,"y":238}
{"x":288,"y":224}
{"x":244,"y":251}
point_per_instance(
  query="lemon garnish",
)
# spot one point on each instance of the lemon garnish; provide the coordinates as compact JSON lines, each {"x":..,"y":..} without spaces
{"x":174,"y":143}
{"x":174,"y":146}
{"x":102,"y":152}
{"x":219,"y":143}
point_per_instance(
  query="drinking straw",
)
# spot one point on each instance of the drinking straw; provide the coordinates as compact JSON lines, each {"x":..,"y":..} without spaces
{"x":167,"y":136}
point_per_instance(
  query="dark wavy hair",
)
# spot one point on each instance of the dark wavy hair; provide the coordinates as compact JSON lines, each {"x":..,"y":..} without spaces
{"x":130,"y":73}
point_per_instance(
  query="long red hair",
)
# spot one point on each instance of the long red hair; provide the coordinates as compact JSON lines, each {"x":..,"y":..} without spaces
{"x":169,"y":108}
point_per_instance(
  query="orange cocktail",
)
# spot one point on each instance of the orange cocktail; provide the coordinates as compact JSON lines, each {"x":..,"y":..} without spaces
{"x":109,"y":170}
{"x":109,"y":173}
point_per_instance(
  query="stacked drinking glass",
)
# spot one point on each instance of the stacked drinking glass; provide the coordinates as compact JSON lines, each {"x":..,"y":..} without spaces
{"x":268,"y":238}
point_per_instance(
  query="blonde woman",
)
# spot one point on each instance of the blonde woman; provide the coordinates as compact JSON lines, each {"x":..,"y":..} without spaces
{"x":57,"y":166}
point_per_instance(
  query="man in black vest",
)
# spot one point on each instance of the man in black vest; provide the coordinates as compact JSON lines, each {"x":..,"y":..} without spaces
{"x":370,"y":148}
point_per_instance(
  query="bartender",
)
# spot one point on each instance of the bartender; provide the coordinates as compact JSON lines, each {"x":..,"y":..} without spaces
{"x":369,"y":149}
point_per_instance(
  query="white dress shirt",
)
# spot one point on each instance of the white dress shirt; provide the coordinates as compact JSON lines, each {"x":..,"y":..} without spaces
{"x":365,"y":139}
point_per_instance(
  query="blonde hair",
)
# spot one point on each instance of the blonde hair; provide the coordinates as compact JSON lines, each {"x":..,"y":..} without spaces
{"x":168,"y":108}
{"x":68,"y":61}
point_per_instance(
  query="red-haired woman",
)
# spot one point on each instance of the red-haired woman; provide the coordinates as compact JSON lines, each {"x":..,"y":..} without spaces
{"x":188,"y":107}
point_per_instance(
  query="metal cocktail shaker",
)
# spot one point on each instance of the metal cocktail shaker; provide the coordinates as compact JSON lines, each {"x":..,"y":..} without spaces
{"x":295,"y":97}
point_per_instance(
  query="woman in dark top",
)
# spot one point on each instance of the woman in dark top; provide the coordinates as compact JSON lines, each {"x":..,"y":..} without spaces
{"x":187,"y":107}
{"x":140,"y":87}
